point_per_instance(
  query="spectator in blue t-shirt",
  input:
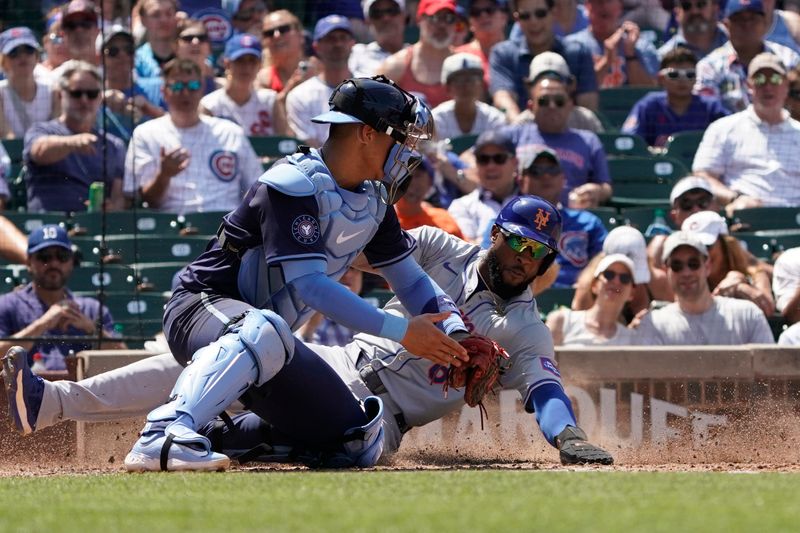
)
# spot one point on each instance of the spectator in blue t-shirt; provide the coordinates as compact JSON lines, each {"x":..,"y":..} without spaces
{"x":660,"y":114}
{"x":160,"y":20}
{"x":509,"y":61}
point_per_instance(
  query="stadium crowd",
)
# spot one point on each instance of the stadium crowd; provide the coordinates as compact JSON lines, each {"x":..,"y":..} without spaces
{"x":165,"y":108}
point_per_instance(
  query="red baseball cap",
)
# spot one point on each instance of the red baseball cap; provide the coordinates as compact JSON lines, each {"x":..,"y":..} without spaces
{"x":429,"y":7}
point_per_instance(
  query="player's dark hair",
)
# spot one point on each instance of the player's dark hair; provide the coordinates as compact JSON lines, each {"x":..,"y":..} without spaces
{"x":178,"y":66}
{"x":679,"y":54}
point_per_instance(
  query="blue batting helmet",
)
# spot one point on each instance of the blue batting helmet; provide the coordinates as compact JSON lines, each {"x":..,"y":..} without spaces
{"x":532,"y":217}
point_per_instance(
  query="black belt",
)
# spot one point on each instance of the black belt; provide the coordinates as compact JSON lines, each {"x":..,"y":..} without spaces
{"x":373,"y":382}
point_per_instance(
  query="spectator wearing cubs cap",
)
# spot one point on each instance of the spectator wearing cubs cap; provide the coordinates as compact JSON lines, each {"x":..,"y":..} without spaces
{"x":751,"y":157}
{"x":554,"y":66}
{"x":333,"y":42}
{"x":731,"y":272}
{"x":259,"y":111}
{"x":602,"y":324}
{"x":24,"y":99}
{"x":45,"y":307}
{"x":697,"y":317}
{"x":464,"y":113}
{"x":387,"y":23}
{"x":418,"y":68}
{"x":185,"y":161}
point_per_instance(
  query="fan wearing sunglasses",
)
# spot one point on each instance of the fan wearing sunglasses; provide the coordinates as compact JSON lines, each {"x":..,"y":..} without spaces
{"x":79,"y":24}
{"x":660,"y":114}
{"x":64,"y":156}
{"x":698,"y":28}
{"x":601,"y":324}
{"x":387,"y":22}
{"x":24,"y":100}
{"x":696,"y":317}
{"x":46,"y":307}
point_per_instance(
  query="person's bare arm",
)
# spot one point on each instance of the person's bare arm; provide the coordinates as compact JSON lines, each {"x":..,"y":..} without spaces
{"x":589,"y":100}
{"x":506,"y":101}
{"x":280,"y":124}
{"x":555,"y":322}
{"x":791,"y":312}
{"x":394,"y":66}
{"x":13,"y":244}
{"x":50,"y":149}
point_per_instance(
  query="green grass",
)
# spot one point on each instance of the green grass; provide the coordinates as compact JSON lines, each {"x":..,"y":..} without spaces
{"x":403,"y":501}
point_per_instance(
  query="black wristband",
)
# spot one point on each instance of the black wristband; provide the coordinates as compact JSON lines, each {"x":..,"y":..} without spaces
{"x":634,"y":57}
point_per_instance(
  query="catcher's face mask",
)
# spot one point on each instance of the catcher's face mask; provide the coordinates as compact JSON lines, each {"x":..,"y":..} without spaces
{"x":403,"y":157}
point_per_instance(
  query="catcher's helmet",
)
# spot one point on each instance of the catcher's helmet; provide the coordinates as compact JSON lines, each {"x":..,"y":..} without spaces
{"x":382,"y":104}
{"x":532,"y":217}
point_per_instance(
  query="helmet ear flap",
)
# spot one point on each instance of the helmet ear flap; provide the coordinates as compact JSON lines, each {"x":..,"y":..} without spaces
{"x":546,"y":262}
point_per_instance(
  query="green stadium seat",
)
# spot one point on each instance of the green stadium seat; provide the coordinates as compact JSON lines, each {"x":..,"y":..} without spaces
{"x":130,"y":307}
{"x":553,"y":298}
{"x":640,"y":194}
{"x":146,"y":329}
{"x":274,"y":145}
{"x":462,"y":143}
{"x":623,"y":144}
{"x":201,"y":223}
{"x":767,"y":218}
{"x":27,"y":222}
{"x":115,"y":278}
{"x":609,"y":216}
{"x":760,"y":246}
{"x":646,"y":170}
{"x":616,"y":104}
{"x":682,"y":146}
{"x":13,"y":276}
{"x":157,"y":277}
{"x":129,"y":249}
{"x":142,"y":222}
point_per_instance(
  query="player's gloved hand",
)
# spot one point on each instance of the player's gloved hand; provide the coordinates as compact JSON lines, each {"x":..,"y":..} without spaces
{"x":574,"y":449}
{"x":480,"y":373}
{"x":424,"y":339}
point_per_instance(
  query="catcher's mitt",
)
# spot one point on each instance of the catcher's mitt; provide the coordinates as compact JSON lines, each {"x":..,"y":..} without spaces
{"x":574,"y":449}
{"x":478,"y":375}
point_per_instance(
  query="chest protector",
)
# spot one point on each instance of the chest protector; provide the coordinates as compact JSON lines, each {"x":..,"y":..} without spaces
{"x":348,"y":220}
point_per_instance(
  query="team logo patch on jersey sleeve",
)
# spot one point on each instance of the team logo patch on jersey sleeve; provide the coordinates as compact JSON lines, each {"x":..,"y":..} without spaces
{"x":305,"y":229}
{"x":224,"y":164}
{"x":549,"y":366}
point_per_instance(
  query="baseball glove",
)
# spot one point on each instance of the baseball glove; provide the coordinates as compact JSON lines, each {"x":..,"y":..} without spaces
{"x":574,"y":449}
{"x":478,"y":375}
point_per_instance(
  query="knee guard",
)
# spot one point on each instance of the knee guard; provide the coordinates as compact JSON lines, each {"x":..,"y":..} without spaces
{"x":251,"y":353}
{"x":363,"y":445}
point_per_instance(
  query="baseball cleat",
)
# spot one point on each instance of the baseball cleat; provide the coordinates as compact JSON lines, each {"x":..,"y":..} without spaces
{"x":24,"y":390}
{"x":155,"y":453}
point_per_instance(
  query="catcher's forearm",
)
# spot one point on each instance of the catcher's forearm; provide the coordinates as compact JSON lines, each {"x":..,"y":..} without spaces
{"x":553,"y":410}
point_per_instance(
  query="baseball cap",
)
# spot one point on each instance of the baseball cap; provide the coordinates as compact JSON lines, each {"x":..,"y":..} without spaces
{"x":689,"y":183}
{"x":366,"y":4}
{"x":706,"y":226}
{"x":429,"y":7}
{"x":766,"y":60}
{"x":461,"y":62}
{"x":629,"y":241}
{"x":242,"y":44}
{"x":46,"y":236}
{"x":18,"y":36}
{"x":682,"y":238}
{"x":104,"y":38}
{"x":79,"y":9}
{"x":737,"y":6}
{"x":548,"y":63}
{"x":609,"y":260}
{"x":529,"y":157}
{"x":331,"y":23}
{"x":495,"y":137}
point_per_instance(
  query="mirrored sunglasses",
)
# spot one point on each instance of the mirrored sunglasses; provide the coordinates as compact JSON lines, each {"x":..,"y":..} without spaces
{"x":679,"y":73}
{"x":519,"y":244}
{"x":178,"y":86}
{"x":761,"y":79}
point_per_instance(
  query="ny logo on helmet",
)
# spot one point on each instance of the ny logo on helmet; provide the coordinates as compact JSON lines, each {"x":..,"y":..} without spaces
{"x":542,"y":218}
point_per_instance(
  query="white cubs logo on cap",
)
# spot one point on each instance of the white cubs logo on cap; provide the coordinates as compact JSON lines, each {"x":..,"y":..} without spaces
{"x":224,"y":164}
{"x":219,"y":28}
{"x":305,"y":229}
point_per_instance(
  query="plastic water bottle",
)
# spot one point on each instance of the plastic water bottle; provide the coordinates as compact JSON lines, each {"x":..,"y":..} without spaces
{"x":38,"y":364}
{"x":658,"y":226}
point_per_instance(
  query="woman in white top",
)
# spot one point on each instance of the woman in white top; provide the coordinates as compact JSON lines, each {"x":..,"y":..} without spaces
{"x":24,"y":100}
{"x":600,"y":324}
{"x":261,"y":112}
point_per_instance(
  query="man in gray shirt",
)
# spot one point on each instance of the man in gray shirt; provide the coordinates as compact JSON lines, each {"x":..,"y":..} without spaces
{"x":697,"y":317}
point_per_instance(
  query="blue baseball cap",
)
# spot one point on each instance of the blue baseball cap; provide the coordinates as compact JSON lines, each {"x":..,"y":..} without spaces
{"x":18,"y":36}
{"x":242,"y":44}
{"x":331,"y":23}
{"x":737,"y":6}
{"x":47,"y":236}
{"x":497,"y":138}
